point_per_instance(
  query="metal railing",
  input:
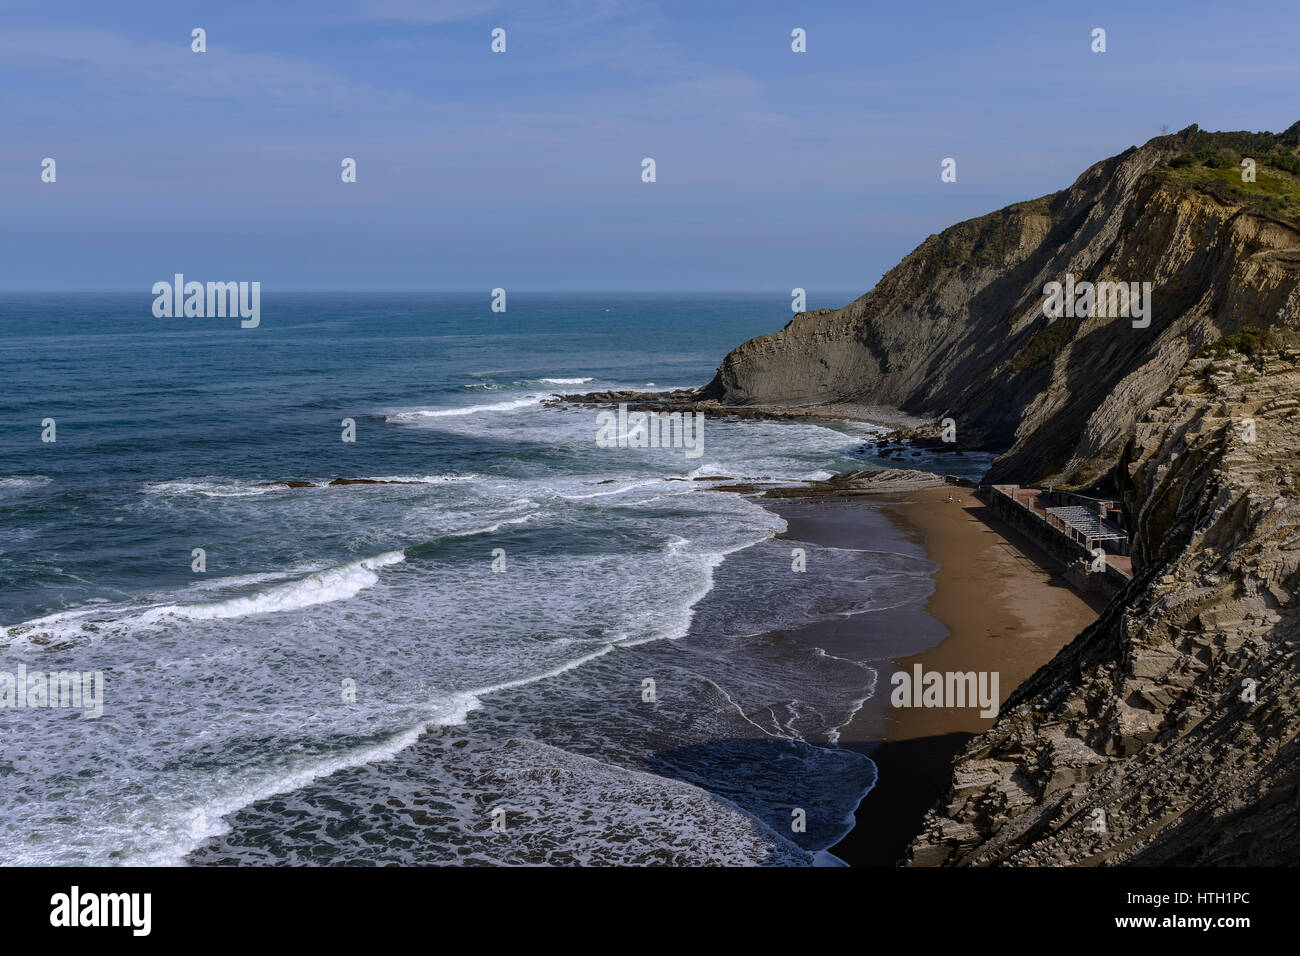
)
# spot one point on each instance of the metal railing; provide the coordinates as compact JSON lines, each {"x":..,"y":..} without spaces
{"x":1085,"y":541}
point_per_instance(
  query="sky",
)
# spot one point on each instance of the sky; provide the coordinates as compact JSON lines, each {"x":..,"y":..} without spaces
{"x":523,"y":169}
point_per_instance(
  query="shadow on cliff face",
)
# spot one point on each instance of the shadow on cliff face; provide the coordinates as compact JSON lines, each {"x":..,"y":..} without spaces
{"x":913,"y":775}
{"x":962,"y":382}
{"x":1260,"y":832}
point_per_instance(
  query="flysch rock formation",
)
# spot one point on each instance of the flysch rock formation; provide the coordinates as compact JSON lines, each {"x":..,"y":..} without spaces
{"x":958,"y":329}
{"x":1166,"y":733}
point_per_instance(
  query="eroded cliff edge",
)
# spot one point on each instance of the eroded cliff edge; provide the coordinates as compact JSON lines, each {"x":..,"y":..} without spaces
{"x":957,"y":328}
{"x":1167,"y":732}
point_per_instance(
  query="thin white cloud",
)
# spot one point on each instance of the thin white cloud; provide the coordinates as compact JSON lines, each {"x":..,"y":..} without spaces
{"x":106,"y":60}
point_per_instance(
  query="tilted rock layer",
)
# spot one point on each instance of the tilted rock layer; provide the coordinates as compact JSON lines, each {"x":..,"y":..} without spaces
{"x":1166,"y":733}
{"x":957,"y":329}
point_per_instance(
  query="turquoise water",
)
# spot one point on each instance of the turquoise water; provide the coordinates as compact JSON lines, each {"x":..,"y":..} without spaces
{"x":505,"y":597}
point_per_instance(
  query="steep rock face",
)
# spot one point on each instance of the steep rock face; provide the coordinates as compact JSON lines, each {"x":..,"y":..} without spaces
{"x":1173,"y":720}
{"x":957,"y":328}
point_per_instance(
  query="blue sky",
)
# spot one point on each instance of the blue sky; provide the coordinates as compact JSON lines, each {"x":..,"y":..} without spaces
{"x":523,"y":169}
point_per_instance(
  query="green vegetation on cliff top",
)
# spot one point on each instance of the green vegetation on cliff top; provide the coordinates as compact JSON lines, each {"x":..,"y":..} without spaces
{"x":1212,"y":161}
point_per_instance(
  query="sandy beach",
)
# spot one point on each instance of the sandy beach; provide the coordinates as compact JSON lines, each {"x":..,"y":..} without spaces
{"x":1000,"y":604}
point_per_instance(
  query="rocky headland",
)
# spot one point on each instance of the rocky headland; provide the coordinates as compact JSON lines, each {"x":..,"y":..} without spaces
{"x":1165,"y":733}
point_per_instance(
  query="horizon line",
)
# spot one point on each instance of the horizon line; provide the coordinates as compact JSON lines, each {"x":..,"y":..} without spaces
{"x":147,"y":293}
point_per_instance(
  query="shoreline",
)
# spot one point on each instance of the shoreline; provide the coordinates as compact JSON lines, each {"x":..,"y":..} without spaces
{"x":1000,"y":604}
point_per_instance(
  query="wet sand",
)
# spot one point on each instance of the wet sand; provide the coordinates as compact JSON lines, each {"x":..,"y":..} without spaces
{"x":1000,"y":604}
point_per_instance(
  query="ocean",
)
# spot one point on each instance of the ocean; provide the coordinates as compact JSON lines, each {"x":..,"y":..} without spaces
{"x":522,"y":648}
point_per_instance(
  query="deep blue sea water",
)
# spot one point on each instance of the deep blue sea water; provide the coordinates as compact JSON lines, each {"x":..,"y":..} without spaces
{"x":349,"y":679}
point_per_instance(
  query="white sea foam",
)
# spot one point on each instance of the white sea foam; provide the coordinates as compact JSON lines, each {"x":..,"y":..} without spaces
{"x":317,"y":587}
{"x":679,"y":624}
{"x":248,"y":580}
{"x":191,"y":830}
{"x":332,"y":584}
{"x":746,"y":472}
{"x":490,"y":529}
{"x":247,"y":667}
{"x":20,"y":483}
{"x":566,"y":381}
{"x":420,"y":479}
{"x":207,"y":488}
{"x":612,"y":491}
{"x":418,"y":415}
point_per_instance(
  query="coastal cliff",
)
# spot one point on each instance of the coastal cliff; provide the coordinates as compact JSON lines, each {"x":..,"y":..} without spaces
{"x":958,"y":330}
{"x":1167,"y":732}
